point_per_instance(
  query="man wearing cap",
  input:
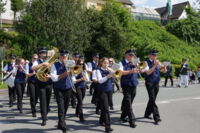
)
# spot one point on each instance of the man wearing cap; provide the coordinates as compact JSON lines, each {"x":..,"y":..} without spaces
{"x":129,"y":82}
{"x":152,"y":79}
{"x":45,"y":88}
{"x":91,"y":67}
{"x":63,"y":87}
{"x":184,"y":73}
{"x":8,"y":68}
{"x":33,"y":91}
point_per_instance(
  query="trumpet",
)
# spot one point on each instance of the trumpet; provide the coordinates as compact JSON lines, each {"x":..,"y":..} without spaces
{"x":75,"y":69}
{"x":117,"y":72}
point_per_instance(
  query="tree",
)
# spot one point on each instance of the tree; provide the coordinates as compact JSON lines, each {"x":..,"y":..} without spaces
{"x":16,"y":6}
{"x":187,"y":29}
{"x":57,"y":23}
{"x":109,"y":30}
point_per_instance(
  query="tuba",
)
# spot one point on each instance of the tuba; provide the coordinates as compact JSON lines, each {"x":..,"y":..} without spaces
{"x":43,"y":71}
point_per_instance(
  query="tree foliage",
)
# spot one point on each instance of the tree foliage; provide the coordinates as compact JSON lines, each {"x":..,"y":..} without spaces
{"x":55,"y":23}
{"x":16,"y":6}
{"x":187,"y":29}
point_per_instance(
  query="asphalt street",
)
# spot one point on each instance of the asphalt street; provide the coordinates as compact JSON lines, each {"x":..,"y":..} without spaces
{"x":179,"y":109}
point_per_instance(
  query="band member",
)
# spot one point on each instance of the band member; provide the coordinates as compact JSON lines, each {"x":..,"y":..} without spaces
{"x":198,"y":74}
{"x":104,"y":78}
{"x":152,"y":79}
{"x":168,"y":74}
{"x":111,"y":62}
{"x":33,"y":91}
{"x":129,"y":83}
{"x":91,"y":67}
{"x":184,"y":74}
{"x":8,"y":68}
{"x":63,"y":86}
{"x":75,"y":57}
{"x":80,"y":85}
{"x":20,"y":81}
{"x":45,"y":88}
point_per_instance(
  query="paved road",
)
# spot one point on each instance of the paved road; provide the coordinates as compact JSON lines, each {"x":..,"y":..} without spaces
{"x":179,"y":109}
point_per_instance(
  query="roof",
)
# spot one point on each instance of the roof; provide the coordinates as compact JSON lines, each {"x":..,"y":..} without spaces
{"x":128,"y":2}
{"x":146,"y":11}
{"x":177,"y":10}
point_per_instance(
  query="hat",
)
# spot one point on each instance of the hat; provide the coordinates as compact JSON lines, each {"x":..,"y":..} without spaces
{"x":63,"y":52}
{"x":42,"y":50}
{"x":82,"y":57}
{"x":130,"y":52}
{"x":183,"y":60}
{"x":76,"y":54}
{"x":154,"y":52}
{"x":12,"y":56}
{"x":96,"y":55}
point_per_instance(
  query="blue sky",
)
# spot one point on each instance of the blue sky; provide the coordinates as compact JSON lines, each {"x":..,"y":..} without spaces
{"x":156,"y":3}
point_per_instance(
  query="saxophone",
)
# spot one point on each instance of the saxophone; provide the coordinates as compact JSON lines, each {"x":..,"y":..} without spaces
{"x":43,"y":70}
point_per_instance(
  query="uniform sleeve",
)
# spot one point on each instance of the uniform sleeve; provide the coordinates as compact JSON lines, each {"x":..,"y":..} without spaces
{"x":53,"y":73}
{"x":99,"y":77}
{"x":89,"y":66}
{"x":27,"y":69}
{"x":74,"y":79}
{"x":5,"y":68}
{"x":121,"y":66}
{"x":35,"y":63}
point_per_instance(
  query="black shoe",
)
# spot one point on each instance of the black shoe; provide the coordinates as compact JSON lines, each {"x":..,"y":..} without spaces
{"x":34,"y":115}
{"x":98,"y":112}
{"x":43,"y":123}
{"x":81,"y":118}
{"x":111,"y":108}
{"x":132,"y":125}
{"x":148,"y":117}
{"x":73,"y":106}
{"x":11,"y":105}
{"x":159,"y":120}
{"x":49,"y":109}
{"x":64,"y":130}
{"x":109,"y":129}
{"x":20,"y":111}
{"x":156,"y":122}
{"x":124,"y":120}
{"x":102,"y":123}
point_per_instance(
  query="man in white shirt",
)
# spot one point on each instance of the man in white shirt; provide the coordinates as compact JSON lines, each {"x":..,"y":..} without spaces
{"x":8,"y":68}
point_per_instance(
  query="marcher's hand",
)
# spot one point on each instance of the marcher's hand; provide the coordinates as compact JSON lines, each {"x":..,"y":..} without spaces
{"x":109,"y":76}
{"x":47,"y":75}
{"x":134,"y":70}
{"x":156,"y":63}
{"x":46,"y":64}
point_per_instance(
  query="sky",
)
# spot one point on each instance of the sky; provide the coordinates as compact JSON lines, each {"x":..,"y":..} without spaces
{"x":157,"y":3}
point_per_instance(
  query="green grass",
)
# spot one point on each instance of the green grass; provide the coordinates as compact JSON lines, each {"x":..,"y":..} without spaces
{"x":3,"y":86}
{"x":7,"y":25}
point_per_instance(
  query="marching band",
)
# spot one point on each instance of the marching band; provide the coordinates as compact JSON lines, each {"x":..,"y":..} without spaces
{"x":69,"y":79}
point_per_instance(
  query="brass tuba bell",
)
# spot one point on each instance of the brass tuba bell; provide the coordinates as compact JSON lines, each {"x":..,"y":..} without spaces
{"x":43,"y":71}
{"x":77,"y":69}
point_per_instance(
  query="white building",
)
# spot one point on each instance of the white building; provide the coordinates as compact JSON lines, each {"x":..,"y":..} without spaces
{"x":8,"y":15}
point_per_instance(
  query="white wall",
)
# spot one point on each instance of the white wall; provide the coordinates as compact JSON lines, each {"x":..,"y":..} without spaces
{"x":8,"y":13}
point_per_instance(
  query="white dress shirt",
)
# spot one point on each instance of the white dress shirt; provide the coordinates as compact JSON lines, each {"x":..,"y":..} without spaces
{"x":53,"y":72}
{"x":6,"y":67}
{"x":74,"y":80}
{"x":96,"y":75}
{"x":89,"y":66}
